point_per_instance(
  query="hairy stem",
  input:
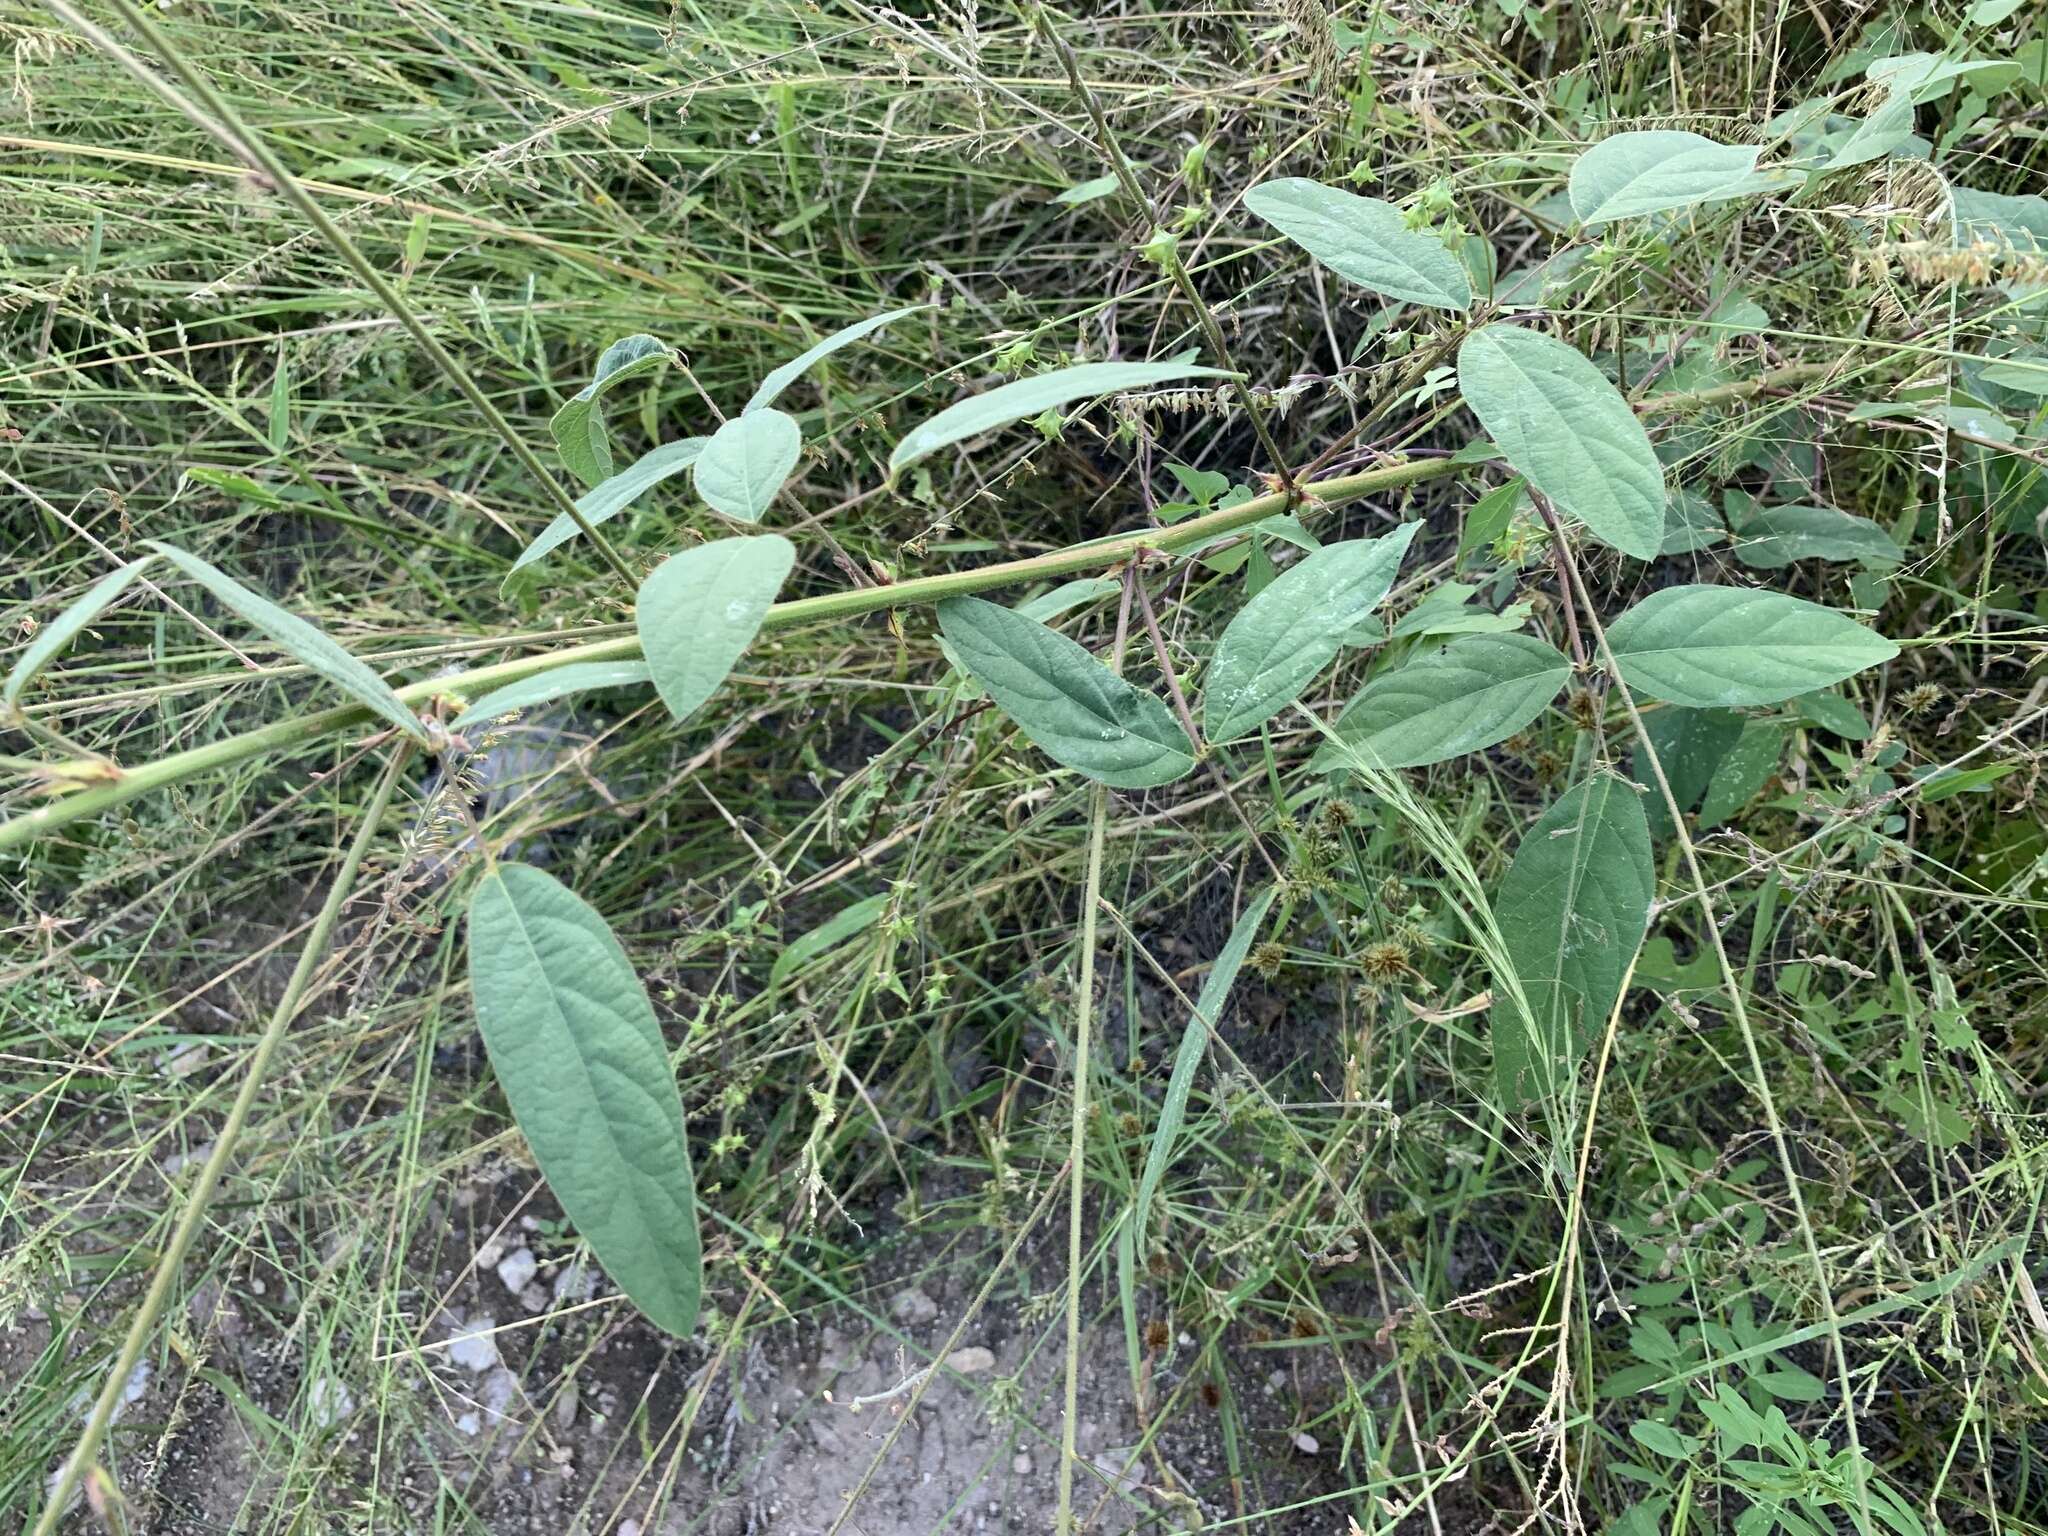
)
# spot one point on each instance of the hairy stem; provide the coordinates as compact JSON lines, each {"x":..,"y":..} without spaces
{"x":1077,"y":1140}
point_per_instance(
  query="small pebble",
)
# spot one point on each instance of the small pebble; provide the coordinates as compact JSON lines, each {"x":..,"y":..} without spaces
{"x":517,"y":1269}
{"x":472,"y":1347}
{"x":971,"y":1360}
{"x":1021,"y":1464}
{"x":913,"y":1307}
{"x":1307,"y":1443}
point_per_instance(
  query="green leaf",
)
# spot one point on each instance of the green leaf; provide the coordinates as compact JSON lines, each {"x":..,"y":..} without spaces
{"x":1790,"y":1383}
{"x":1559,"y":422}
{"x":1725,"y":647}
{"x":1448,"y":610}
{"x":546,"y":687}
{"x":304,"y":642}
{"x":1777,"y":536}
{"x":1689,"y":745}
{"x":781,"y":378}
{"x":1078,"y":712}
{"x":747,"y":461}
{"x":577,"y":1050}
{"x":1364,"y":240}
{"x":835,"y":930}
{"x":1491,"y":516}
{"x":1832,"y":712}
{"x":1022,"y":399}
{"x":1194,"y":1045}
{"x":1743,"y":772}
{"x":63,"y":629}
{"x":1472,"y":693}
{"x":578,"y":426}
{"x":1283,"y":637}
{"x":1572,"y":912}
{"x":699,"y":611}
{"x":1089,"y":191}
{"x":1690,"y":524}
{"x":1660,"y":170}
{"x":1663,"y":1439}
{"x":603,"y":502}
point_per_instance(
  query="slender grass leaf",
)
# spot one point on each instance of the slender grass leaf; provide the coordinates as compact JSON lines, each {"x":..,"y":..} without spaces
{"x":1283,"y":637}
{"x":546,"y":687}
{"x":1560,"y":423}
{"x":781,"y":378}
{"x":835,"y":930}
{"x":577,"y":1050}
{"x":1725,"y":647}
{"x":304,"y":642}
{"x":1023,"y":399}
{"x":1944,"y":782}
{"x":1572,"y":910}
{"x":1048,"y":606}
{"x":580,"y":436}
{"x":1777,"y":536}
{"x":746,"y":462}
{"x":51,"y":639}
{"x":603,"y":502}
{"x":1078,"y":712}
{"x":1194,"y":1045}
{"x":1364,"y":240}
{"x":699,"y":611}
{"x":1658,"y":171}
{"x":1472,"y":693}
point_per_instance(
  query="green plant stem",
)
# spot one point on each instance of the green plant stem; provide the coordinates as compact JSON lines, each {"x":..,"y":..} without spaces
{"x":212,"y":113}
{"x":201,"y":1196}
{"x":1077,"y":1140}
{"x":1097,"y":555}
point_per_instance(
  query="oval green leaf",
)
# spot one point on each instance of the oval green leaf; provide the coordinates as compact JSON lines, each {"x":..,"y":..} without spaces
{"x":546,"y":687}
{"x":1294,"y":628}
{"x":1194,"y":1045}
{"x":700,"y":610}
{"x":1658,"y":171}
{"x":1364,"y":240}
{"x":306,"y":643}
{"x":1572,"y":911}
{"x":1560,"y":423}
{"x":1443,"y":702}
{"x":603,"y":502}
{"x":781,"y":378}
{"x":1777,"y":536}
{"x":1023,"y":399}
{"x":1725,"y":647}
{"x":576,"y":1047}
{"x":1078,"y":712}
{"x":63,"y":629}
{"x":746,"y":462}
{"x":580,"y":436}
